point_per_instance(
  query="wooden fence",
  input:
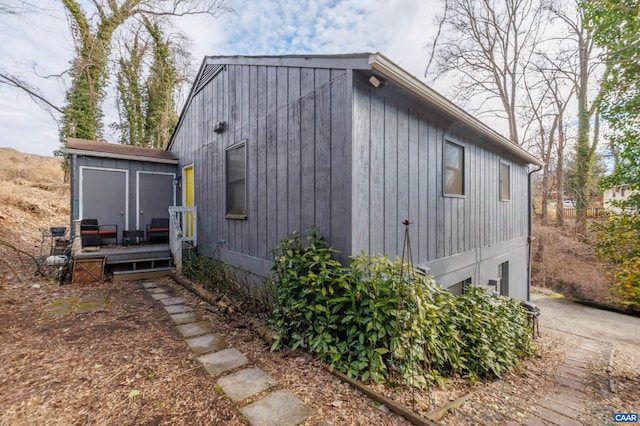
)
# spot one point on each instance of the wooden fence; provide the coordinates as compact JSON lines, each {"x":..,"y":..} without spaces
{"x":592,"y":212}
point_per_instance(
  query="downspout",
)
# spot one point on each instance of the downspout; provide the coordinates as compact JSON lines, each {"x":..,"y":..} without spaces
{"x":530,"y":232}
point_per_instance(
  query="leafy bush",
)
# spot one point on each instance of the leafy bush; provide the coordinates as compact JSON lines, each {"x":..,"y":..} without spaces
{"x":379,"y":319}
{"x":618,"y":243}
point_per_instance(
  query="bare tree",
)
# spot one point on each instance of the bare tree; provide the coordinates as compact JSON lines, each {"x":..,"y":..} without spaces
{"x":547,"y":95}
{"x":583,"y":67}
{"x":488,"y":44}
{"x":22,"y":9}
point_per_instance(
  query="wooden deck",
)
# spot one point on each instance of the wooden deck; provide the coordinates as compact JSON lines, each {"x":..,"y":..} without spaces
{"x":133,"y":262}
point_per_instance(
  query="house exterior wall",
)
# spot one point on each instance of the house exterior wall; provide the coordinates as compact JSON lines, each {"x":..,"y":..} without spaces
{"x":397,"y":173}
{"x":612,"y":195}
{"x":132,"y":167}
{"x":296,"y":125}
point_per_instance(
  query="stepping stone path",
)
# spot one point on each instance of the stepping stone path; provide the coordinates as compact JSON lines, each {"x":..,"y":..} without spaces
{"x":233,"y":372}
{"x":565,"y":404}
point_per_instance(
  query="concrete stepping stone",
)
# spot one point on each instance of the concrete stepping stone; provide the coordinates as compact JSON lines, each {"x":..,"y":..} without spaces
{"x":159,"y":296}
{"x":207,"y":343}
{"x":157,"y":290}
{"x":184,"y":317}
{"x":194,"y":329}
{"x":245,"y":383}
{"x":149,"y":285}
{"x":173,"y":301}
{"x":221,"y":361}
{"x":178,"y":309}
{"x":281,"y":408}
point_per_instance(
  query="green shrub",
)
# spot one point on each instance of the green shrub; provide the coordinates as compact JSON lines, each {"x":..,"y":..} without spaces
{"x":379,"y":319}
{"x":617,"y":242}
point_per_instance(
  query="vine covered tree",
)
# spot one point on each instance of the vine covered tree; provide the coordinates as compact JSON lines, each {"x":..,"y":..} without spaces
{"x":93,"y":33}
{"x":146,"y":93}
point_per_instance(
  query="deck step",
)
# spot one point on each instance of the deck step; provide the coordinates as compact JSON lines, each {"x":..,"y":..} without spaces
{"x":142,"y":274}
{"x":144,"y":259}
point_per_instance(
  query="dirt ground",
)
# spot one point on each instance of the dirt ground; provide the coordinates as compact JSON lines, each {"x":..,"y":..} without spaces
{"x":109,"y":353}
{"x":123,"y":362}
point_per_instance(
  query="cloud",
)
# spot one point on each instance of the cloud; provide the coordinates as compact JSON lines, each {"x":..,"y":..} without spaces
{"x":398,"y":29}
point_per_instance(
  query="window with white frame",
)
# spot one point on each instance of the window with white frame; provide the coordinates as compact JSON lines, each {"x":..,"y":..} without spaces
{"x":236,"y":178}
{"x":453,"y":169}
{"x":505,"y":182}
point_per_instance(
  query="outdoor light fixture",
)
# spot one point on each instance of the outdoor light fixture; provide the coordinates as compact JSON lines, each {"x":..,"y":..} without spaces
{"x":219,"y":127}
{"x":177,"y":181}
{"x":376,"y":82}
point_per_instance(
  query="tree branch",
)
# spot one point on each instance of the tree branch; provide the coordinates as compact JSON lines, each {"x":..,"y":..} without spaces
{"x":13,"y":81}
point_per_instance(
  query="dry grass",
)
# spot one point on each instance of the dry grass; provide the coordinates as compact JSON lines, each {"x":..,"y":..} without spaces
{"x":567,"y":264}
{"x":33,"y":196}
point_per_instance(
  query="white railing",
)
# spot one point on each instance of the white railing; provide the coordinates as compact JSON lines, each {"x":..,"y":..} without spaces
{"x":182,"y":228}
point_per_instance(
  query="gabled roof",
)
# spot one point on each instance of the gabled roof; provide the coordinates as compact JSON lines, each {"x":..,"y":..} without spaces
{"x":374,"y":62}
{"x":118,"y":151}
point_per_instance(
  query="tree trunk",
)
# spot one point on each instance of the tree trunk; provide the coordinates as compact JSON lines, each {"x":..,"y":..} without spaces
{"x":560,"y":173}
{"x":545,"y":193}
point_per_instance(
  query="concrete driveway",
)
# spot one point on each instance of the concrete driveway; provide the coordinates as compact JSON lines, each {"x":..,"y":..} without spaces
{"x":561,"y":314}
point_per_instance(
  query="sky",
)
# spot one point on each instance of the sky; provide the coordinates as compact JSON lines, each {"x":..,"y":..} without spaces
{"x":37,"y":45}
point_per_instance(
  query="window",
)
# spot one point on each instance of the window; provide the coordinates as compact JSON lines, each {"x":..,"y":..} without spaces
{"x":503,"y":273}
{"x":236,"y":160}
{"x":458,"y":288}
{"x":505,"y":182}
{"x":453,"y":169}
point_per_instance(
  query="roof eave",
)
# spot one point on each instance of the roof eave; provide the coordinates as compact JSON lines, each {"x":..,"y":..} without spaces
{"x":390,"y":70}
{"x":120,"y":156}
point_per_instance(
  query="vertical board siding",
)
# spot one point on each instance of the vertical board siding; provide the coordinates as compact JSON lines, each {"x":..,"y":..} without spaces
{"x":361,"y":171}
{"x":398,"y":174}
{"x":390,"y":196}
{"x":340,"y":165}
{"x":323,"y":160}
{"x":376,"y":178}
{"x":293,"y":122}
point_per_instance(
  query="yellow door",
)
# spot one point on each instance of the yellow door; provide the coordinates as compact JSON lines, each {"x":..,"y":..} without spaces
{"x":188,"y":200}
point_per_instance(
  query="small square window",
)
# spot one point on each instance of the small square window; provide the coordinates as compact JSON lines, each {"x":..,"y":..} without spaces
{"x":505,"y":182}
{"x":453,"y":169}
{"x":236,"y":178}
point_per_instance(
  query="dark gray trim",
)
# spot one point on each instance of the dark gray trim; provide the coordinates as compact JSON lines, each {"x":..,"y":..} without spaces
{"x":120,"y":156}
{"x":347,"y":61}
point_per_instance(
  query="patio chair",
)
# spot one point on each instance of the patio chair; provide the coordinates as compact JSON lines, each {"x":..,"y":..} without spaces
{"x":158,"y":229}
{"x":93,"y":234}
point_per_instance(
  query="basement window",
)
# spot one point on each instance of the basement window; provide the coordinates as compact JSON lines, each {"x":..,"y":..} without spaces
{"x":458,"y":289}
{"x":236,"y":181}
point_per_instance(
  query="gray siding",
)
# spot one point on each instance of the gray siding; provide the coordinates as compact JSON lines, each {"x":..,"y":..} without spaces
{"x":132,"y":166}
{"x":398,"y":174}
{"x":294,"y":121}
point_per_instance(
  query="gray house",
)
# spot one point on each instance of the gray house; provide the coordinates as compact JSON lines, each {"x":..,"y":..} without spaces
{"x":352,"y":144}
{"x":120,"y":185}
